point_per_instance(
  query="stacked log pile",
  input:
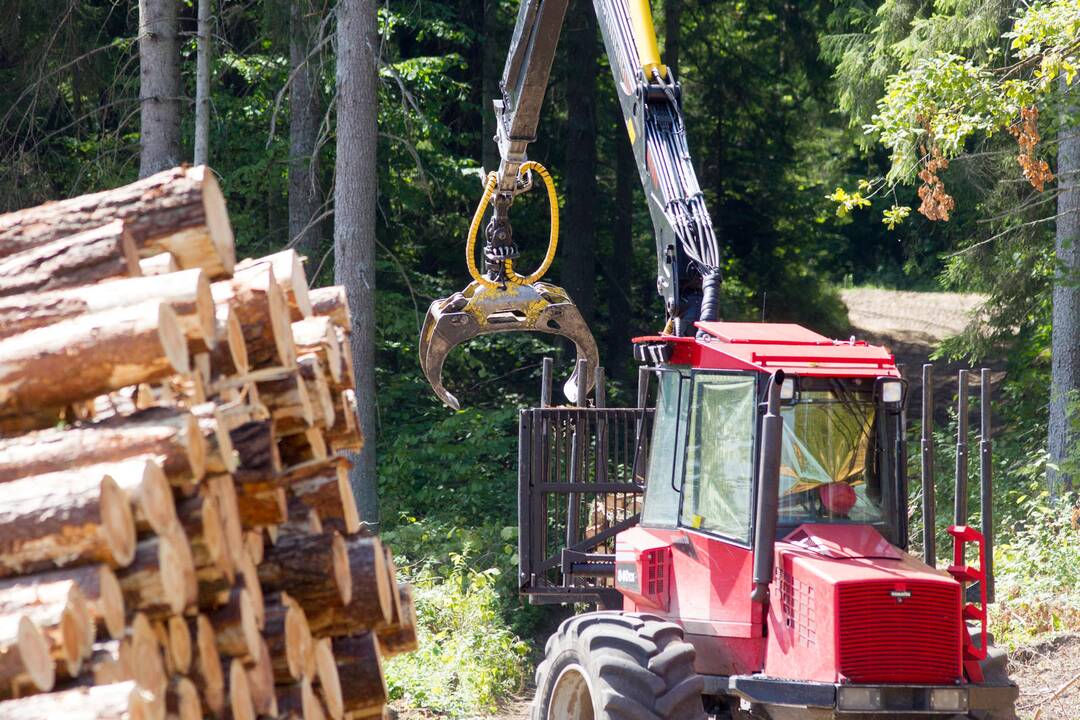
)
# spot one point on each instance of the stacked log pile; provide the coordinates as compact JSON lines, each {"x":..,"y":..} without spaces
{"x":178,"y":536}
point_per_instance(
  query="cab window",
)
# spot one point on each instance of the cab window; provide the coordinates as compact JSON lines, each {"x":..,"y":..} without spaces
{"x":665,"y":460}
{"x":717,"y":490}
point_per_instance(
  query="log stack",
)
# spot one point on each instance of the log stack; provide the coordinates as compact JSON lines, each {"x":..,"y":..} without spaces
{"x":178,"y":536}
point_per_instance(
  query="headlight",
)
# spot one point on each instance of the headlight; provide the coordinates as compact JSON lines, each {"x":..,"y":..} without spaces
{"x":952,"y":699}
{"x":892,"y":392}
{"x":858,"y":698}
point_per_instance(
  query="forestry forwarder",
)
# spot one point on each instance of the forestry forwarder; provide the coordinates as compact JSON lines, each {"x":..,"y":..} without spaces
{"x":761,"y":570}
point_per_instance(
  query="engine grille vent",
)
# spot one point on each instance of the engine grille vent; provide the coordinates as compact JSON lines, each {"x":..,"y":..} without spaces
{"x":797,"y":606}
{"x":900,"y":632}
{"x":656,"y":577}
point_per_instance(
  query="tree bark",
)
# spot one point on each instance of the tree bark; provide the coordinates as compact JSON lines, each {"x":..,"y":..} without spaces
{"x":579,"y":236}
{"x":159,"y":87}
{"x":51,"y":524}
{"x":363,"y":687}
{"x":333,"y":303}
{"x":313,"y":569}
{"x":1065,"y":338}
{"x":356,"y":190}
{"x":180,"y":211}
{"x":324,"y":487}
{"x":305,"y":194}
{"x":202,"y":86}
{"x":236,"y":628}
{"x":172,"y":436}
{"x":102,"y":253}
{"x":298,"y":701}
{"x":304,"y":447}
{"x":370,"y":593}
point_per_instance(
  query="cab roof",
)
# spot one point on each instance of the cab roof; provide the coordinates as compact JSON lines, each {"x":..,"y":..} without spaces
{"x":768,"y":347}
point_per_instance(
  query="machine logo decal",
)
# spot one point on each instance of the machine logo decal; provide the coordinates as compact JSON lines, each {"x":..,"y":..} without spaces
{"x":626,"y":576}
{"x":900,"y":595}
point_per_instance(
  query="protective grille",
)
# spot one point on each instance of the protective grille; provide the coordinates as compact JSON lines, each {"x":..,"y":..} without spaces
{"x":900,"y":632}
{"x":657,"y":571}
{"x":797,"y":604}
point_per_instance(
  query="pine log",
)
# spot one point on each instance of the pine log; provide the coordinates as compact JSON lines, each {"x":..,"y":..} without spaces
{"x":147,"y":662}
{"x":182,"y":700}
{"x":180,"y":211}
{"x":313,"y":569}
{"x":200,"y":516}
{"x":401,"y":637}
{"x":311,"y":370}
{"x":316,"y":335}
{"x":100,"y":702}
{"x":348,"y":368}
{"x":302,"y":447}
{"x":101,"y":253}
{"x":302,"y":520}
{"x":50,"y":523}
{"x":255,"y":448}
{"x":299,"y":701}
{"x":249,"y":573}
{"x":230,"y":356}
{"x":221,"y":487}
{"x":332,"y":302}
{"x":345,"y":433}
{"x":261,"y":504}
{"x":289,"y":403}
{"x":324,"y":486}
{"x":289,"y":273}
{"x":157,"y":580}
{"x":329,"y":681}
{"x":241,"y":706}
{"x":90,"y":355}
{"x":206,"y":669}
{"x":371,"y":601}
{"x":362,"y":685}
{"x":235,"y":626}
{"x":98,"y":584}
{"x":63,"y":628}
{"x":261,"y":682}
{"x":263,"y":312}
{"x":214,"y":431}
{"x":108,"y":662}
{"x":170,"y":435}
{"x":160,"y":264}
{"x":180,"y":651}
{"x":187,"y":292}
{"x":146,"y":486}
{"x":289,"y":639}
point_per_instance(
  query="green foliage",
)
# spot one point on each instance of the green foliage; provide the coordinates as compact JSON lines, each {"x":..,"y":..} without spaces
{"x":468,"y":659}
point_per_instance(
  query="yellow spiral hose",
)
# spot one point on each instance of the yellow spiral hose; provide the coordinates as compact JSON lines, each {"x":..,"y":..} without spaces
{"x":553,"y":239}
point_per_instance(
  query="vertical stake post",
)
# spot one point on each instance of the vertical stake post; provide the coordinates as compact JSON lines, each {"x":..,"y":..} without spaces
{"x":548,"y":367}
{"x":986,"y":480}
{"x":929,"y":500}
{"x":960,"y":505}
{"x":578,"y":441}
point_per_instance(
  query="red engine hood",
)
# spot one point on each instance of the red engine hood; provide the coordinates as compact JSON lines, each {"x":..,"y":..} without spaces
{"x":845,"y":553}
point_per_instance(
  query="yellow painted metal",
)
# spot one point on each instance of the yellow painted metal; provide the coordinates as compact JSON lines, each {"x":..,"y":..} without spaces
{"x":645,"y":38}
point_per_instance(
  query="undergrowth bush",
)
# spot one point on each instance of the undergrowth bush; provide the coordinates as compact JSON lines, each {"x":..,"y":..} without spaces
{"x":1038,"y":573}
{"x":468,"y":659}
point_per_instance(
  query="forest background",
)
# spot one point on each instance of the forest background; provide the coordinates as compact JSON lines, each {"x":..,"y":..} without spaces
{"x":838,"y":143}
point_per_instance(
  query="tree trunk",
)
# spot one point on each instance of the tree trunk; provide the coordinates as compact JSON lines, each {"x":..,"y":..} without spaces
{"x":621,"y":263}
{"x":305,"y":195}
{"x":359,"y":665}
{"x":180,"y":211}
{"x":103,"y":702}
{"x":159,"y":87}
{"x":99,"y":586}
{"x":371,"y":604}
{"x":202,"y":87}
{"x":356,"y":190}
{"x":1065,"y":339}
{"x":672,"y":34}
{"x":90,"y":355}
{"x":579,"y":234}
{"x":313,"y":569}
{"x":494,"y":54}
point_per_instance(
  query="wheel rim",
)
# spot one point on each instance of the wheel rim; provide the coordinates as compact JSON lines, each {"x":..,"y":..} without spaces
{"x":571,"y":698}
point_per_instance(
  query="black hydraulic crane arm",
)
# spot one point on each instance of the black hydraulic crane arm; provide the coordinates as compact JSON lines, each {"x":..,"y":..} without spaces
{"x":687,"y":252}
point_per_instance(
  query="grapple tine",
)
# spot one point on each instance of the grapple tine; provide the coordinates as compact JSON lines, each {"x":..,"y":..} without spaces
{"x":481,"y":310}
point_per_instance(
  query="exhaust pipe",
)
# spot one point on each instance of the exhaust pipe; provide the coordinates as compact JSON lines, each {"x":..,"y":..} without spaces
{"x":929,"y":509}
{"x":768,"y":496}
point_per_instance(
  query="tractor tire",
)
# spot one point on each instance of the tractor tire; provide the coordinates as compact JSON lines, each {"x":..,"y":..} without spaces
{"x":618,"y":666}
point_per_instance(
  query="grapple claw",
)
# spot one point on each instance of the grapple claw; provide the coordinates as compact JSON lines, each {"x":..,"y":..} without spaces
{"x":514,"y":307}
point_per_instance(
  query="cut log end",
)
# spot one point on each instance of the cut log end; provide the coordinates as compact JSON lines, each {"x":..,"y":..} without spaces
{"x":240,"y":693}
{"x":172,"y":338}
{"x":342,"y":571}
{"x":34,"y":653}
{"x":117,"y":522}
{"x":217,"y":218}
{"x":329,"y":680}
{"x":110,"y":602}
